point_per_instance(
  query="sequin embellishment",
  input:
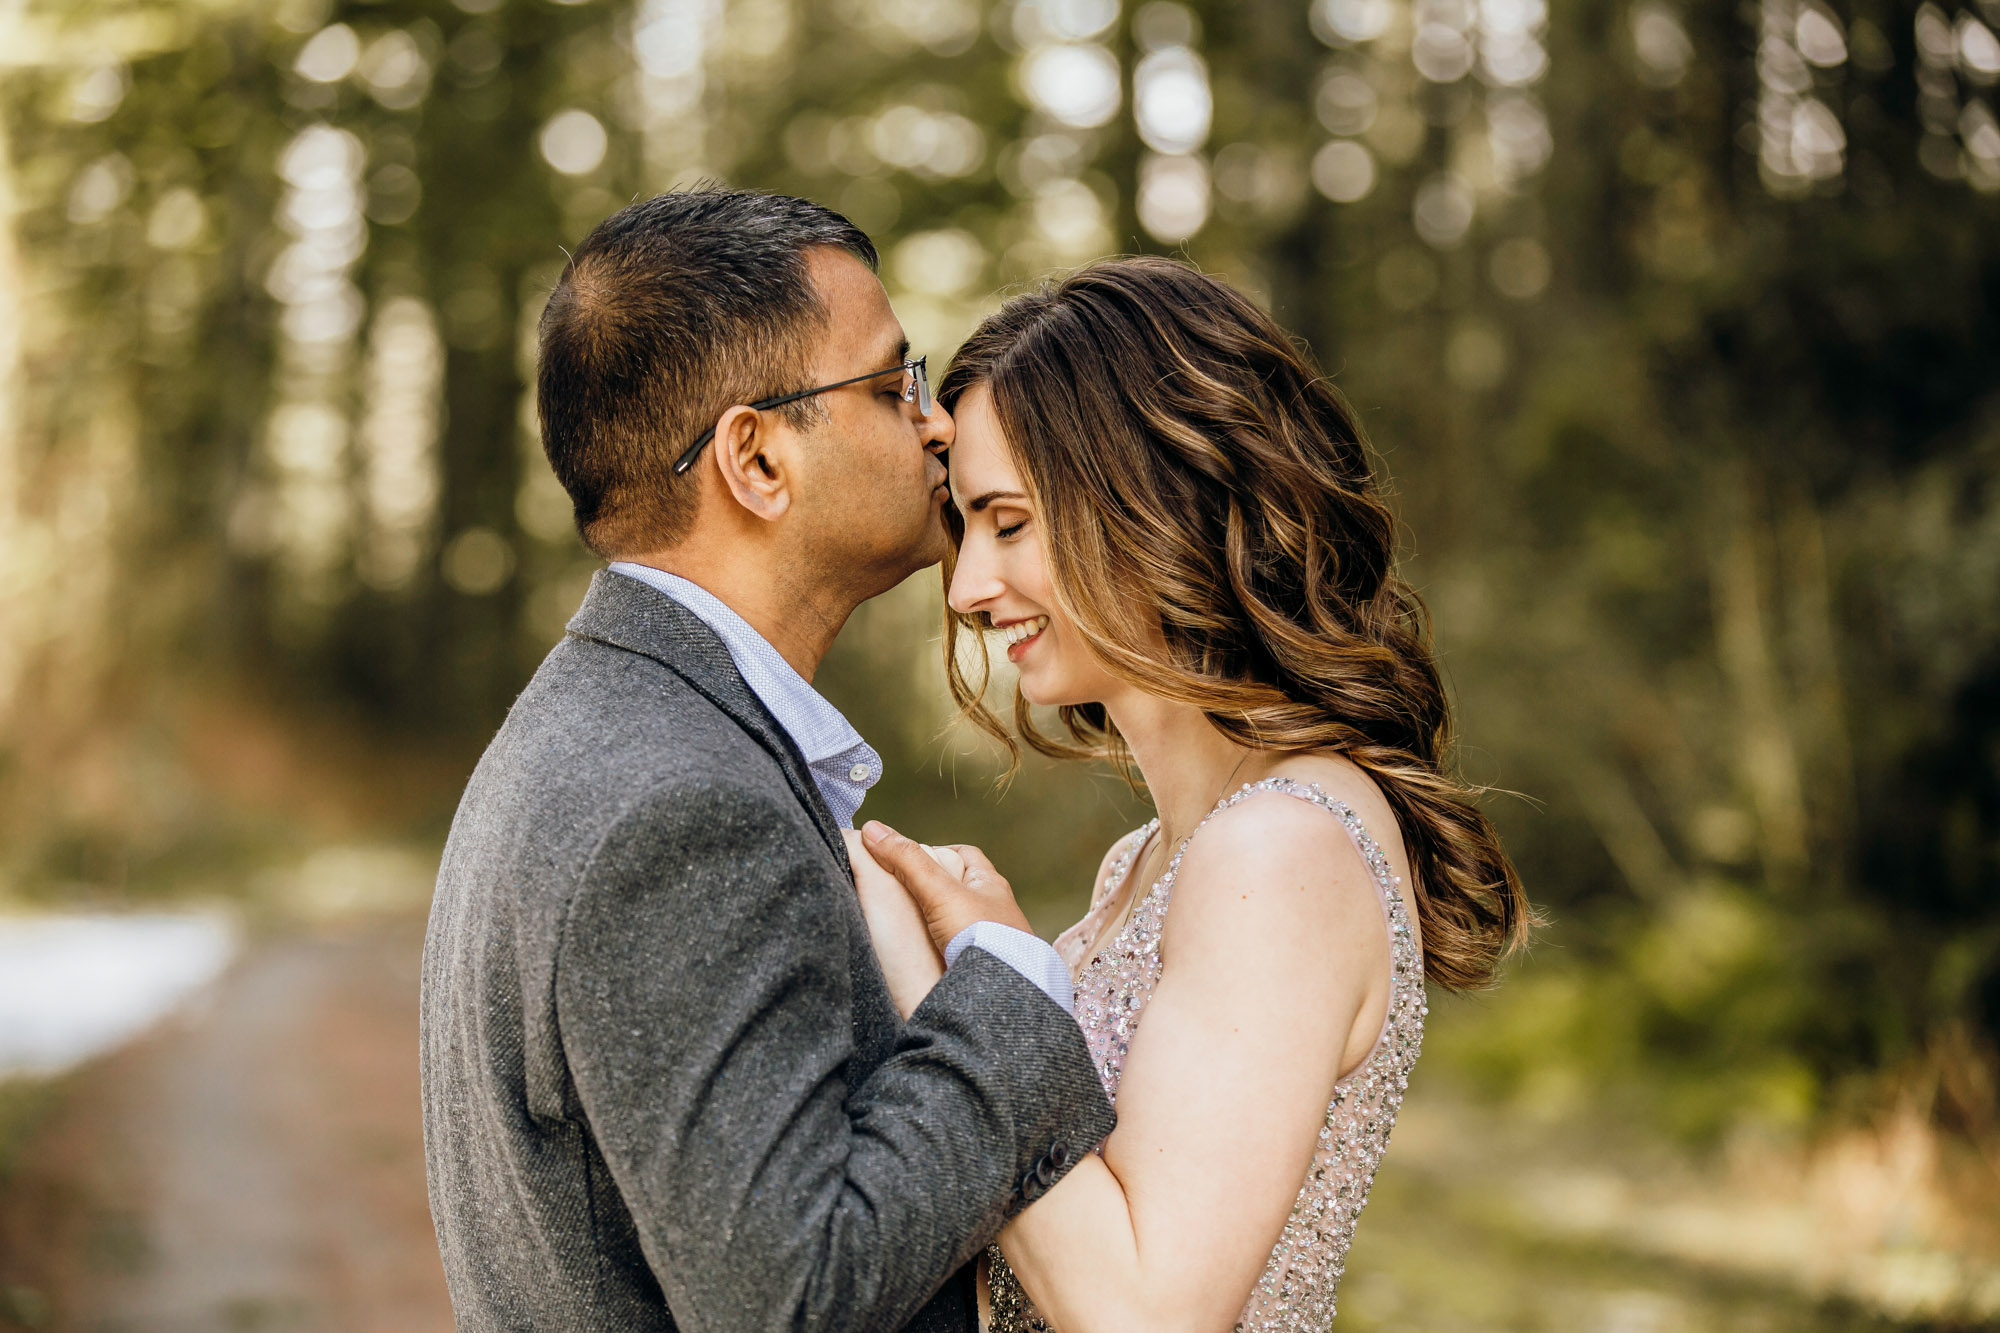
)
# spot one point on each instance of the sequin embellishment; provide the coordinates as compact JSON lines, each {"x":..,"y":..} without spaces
{"x":1297,"y":1288}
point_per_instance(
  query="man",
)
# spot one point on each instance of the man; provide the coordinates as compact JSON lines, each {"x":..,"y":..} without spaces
{"x":664,"y":1083}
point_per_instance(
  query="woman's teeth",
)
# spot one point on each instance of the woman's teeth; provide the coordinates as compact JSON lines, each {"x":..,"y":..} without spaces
{"x":1023,"y":630}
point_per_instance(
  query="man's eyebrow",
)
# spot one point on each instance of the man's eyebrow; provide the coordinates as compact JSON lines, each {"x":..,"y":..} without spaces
{"x":902,"y":354}
{"x":990,"y":497}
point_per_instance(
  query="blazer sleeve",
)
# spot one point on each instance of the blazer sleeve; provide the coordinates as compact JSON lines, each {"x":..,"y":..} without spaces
{"x":703,"y":1003}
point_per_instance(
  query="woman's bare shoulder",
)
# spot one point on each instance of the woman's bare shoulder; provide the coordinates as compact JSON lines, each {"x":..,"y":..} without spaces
{"x":1347,"y":782}
{"x":1275,"y":837}
{"x":1278,"y":880}
{"x":1350,"y":784}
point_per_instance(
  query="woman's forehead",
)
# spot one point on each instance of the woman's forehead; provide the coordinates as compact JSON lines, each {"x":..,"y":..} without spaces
{"x":978,"y":456}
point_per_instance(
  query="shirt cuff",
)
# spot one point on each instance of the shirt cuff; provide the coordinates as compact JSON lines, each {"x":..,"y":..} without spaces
{"x":1030,"y":955}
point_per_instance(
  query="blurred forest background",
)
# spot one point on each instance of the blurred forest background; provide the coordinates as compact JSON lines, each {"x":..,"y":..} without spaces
{"x":1677,"y":326}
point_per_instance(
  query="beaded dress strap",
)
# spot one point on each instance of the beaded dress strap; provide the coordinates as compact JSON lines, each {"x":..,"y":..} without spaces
{"x":1388,"y":893}
{"x":1128,"y":848}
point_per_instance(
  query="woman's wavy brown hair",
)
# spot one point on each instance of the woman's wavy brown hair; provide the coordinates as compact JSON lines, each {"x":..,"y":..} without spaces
{"x":1194,"y":473}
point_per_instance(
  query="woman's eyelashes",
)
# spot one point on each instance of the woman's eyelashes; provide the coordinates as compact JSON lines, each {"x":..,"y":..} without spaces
{"x":1010,"y":530}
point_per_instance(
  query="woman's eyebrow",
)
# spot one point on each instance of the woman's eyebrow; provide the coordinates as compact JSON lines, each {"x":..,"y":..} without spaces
{"x":989,"y":497}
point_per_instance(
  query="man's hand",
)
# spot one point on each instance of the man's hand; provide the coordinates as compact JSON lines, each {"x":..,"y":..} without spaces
{"x":949,"y":902}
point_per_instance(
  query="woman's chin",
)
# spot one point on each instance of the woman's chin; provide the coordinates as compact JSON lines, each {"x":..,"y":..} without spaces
{"x":1043,"y":693}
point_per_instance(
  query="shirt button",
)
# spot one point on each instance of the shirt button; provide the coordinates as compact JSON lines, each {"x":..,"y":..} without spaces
{"x":859,"y":773}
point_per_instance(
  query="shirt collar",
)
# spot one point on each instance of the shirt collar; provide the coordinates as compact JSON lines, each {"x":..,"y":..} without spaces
{"x":815,"y":726}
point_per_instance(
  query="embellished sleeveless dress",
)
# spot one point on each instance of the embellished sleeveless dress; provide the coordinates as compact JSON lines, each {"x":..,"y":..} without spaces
{"x":1297,"y":1287}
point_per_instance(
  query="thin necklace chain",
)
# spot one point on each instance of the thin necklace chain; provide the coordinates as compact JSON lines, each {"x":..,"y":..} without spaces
{"x":1137,"y":876}
{"x":1166,"y":841}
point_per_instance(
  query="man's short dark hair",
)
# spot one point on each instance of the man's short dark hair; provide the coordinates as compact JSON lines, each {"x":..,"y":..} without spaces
{"x":670,"y":312}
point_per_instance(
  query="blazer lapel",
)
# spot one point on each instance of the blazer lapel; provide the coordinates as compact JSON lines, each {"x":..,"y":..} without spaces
{"x":625,"y":613}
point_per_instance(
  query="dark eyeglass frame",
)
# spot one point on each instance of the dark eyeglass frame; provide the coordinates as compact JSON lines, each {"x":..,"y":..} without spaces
{"x":917,"y":391}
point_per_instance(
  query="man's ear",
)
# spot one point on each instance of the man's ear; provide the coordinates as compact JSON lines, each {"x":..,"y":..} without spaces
{"x":751,"y":454}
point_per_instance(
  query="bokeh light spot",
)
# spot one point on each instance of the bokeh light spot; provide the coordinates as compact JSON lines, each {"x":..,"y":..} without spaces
{"x":1077,"y":85}
{"x":1661,"y":43}
{"x":477,"y":562}
{"x":1442,"y":211}
{"x":1346,"y":22}
{"x":329,"y":55}
{"x":1819,"y":38}
{"x":1475,"y":357}
{"x":1171,"y":101}
{"x":1978,"y":50}
{"x":573,"y":142}
{"x":393,"y":195}
{"x":1346,"y":103}
{"x":177,"y":221}
{"x":1441,"y":54}
{"x":1071,"y":216}
{"x":1037,"y":21}
{"x":99,"y":93}
{"x":1162,"y":24}
{"x":1343,"y":171}
{"x":1173,"y":196}
{"x":944,"y":262}
{"x":1519,"y":268}
{"x":100,"y":188}
{"x":395,"y":70}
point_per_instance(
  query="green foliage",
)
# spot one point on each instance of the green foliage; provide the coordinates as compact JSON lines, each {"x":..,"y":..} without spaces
{"x":1698,"y":456}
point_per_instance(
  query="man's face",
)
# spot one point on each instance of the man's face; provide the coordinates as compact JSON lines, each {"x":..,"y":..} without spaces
{"x":876,"y":491}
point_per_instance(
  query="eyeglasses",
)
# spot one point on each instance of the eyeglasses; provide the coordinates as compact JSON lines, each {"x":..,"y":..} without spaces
{"x":916,"y":389}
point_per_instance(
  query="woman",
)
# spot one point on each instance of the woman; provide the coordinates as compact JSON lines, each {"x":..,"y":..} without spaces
{"x":1168,"y":515}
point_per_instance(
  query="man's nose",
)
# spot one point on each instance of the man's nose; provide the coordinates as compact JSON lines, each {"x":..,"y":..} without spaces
{"x":937,"y":430}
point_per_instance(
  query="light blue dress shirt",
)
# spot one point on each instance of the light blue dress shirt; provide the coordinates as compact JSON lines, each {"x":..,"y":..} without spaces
{"x":843,"y":766}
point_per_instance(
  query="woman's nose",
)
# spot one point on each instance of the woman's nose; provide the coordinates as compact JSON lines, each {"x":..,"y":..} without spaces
{"x":973,"y":582}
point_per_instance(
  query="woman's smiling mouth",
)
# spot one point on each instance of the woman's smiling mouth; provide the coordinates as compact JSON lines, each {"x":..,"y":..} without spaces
{"x":1018,"y":634}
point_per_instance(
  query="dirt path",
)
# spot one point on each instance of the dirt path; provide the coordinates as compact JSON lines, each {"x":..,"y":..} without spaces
{"x":257,"y":1164}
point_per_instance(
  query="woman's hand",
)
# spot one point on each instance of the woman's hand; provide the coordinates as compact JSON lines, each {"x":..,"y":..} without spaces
{"x":949,"y":902}
{"x":902,"y":944}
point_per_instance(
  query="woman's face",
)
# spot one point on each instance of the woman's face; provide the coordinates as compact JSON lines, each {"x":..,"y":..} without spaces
{"x":1003,"y":571}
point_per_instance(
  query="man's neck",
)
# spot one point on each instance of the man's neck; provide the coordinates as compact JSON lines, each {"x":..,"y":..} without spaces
{"x":798,"y":620}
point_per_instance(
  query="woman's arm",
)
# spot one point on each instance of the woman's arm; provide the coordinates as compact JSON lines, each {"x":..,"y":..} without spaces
{"x":910,"y":962}
{"x":1275,"y":982}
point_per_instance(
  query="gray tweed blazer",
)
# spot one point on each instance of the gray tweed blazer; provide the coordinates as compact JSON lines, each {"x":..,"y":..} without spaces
{"x":664,"y":1086}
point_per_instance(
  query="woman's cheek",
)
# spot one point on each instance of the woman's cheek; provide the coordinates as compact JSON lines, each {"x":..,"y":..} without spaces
{"x":1042,"y":675}
{"x":1055,"y":675}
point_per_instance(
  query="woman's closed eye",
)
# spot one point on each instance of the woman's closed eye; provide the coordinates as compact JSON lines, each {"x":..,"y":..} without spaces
{"x":1011,"y":530}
